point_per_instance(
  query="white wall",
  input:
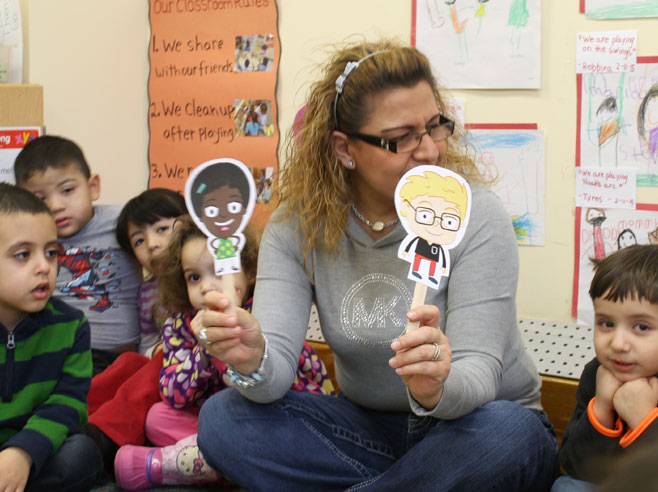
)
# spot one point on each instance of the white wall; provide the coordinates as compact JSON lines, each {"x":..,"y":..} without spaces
{"x":91,"y":56}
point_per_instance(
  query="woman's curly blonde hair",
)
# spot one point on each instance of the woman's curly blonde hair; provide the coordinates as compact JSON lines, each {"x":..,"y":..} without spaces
{"x":173,"y":288}
{"x":313,"y":184}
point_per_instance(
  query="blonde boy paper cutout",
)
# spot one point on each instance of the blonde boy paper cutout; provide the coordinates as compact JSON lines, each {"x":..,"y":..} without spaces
{"x":434,"y":206}
{"x":220,"y":196}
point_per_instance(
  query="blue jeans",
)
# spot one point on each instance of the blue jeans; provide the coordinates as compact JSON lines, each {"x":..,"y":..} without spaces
{"x":73,"y":468}
{"x":566,"y":483}
{"x":322,"y":443}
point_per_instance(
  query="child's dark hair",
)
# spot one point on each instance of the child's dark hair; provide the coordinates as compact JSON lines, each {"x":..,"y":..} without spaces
{"x":168,"y":263}
{"x":213,"y":177}
{"x":147,"y":208}
{"x":630,"y":273}
{"x":46,"y":152}
{"x":15,"y":200}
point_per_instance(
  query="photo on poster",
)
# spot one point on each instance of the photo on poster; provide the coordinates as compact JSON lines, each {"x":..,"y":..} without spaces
{"x":254,"y":53}
{"x":264,"y":178}
{"x":253,"y":118}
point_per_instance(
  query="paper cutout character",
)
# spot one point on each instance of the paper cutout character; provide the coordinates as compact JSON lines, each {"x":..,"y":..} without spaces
{"x":434,"y":206}
{"x":220,"y":196}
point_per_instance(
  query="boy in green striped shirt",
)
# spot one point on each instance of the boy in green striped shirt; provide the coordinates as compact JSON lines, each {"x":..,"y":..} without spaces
{"x":45,"y":361}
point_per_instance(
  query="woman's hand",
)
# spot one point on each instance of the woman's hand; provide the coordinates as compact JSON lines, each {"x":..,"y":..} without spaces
{"x":229,"y":333}
{"x":422,"y":366}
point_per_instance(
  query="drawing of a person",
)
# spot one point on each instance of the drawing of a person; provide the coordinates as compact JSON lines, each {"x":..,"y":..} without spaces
{"x":596,"y":217}
{"x":609,"y":126}
{"x":647,"y":122}
{"x":220,"y":198}
{"x":517,"y":20}
{"x":626,"y":238}
{"x":435,"y":208}
{"x":459,"y":27}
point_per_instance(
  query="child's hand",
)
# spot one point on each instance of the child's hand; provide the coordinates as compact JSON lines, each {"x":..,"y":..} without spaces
{"x":15,"y":466}
{"x":233,"y":335}
{"x":606,"y":386}
{"x":635,"y":399}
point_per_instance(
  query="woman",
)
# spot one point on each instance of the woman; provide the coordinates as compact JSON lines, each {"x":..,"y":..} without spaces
{"x":454,"y":404}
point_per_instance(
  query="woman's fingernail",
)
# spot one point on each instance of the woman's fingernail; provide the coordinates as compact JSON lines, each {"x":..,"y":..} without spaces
{"x":395,"y":345}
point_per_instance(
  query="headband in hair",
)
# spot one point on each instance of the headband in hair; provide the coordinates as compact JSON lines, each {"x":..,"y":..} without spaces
{"x":342,"y":78}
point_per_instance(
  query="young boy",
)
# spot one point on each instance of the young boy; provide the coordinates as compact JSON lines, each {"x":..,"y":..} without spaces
{"x":45,"y":363}
{"x":95,"y":275}
{"x":618,"y":391}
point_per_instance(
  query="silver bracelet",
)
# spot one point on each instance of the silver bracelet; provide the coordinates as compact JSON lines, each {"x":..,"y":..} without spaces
{"x":240,"y":380}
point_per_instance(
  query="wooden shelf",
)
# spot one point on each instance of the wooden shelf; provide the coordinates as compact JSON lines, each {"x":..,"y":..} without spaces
{"x":21,"y":105}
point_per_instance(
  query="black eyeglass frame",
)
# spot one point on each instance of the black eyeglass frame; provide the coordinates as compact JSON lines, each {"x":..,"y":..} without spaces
{"x":440,"y":217}
{"x":391,"y":144}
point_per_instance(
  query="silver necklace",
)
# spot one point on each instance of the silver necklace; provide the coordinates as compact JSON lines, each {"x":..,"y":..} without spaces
{"x":376,"y":226}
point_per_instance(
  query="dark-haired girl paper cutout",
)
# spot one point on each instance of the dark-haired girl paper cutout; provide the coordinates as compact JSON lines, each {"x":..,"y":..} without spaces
{"x":220,"y":196}
{"x":434,"y":206}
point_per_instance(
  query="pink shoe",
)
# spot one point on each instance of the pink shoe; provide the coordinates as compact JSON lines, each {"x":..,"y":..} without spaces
{"x":183,"y":463}
{"x":138,"y":467}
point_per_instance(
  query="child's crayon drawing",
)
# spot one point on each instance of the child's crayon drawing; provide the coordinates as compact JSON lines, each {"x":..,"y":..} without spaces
{"x":618,"y":120}
{"x":468,"y":40}
{"x":600,"y":233}
{"x":514,"y":158}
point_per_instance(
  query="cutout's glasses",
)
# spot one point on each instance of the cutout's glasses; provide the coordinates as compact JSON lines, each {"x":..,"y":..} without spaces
{"x":426,"y":216}
{"x":409,"y":142}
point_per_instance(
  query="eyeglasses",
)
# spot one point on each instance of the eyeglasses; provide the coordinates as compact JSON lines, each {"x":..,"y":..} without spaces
{"x":410,"y":141}
{"x":426,"y":216}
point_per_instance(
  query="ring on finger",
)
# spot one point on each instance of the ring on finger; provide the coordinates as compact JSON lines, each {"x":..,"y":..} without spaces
{"x":203,"y":336}
{"x":437,"y":351}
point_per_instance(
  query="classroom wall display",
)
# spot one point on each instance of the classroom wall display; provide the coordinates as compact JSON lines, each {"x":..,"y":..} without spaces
{"x":468,"y":41}
{"x":212,"y":86}
{"x":11,"y":42}
{"x":599,"y":233}
{"x":12,"y":141}
{"x":618,"y":9}
{"x":513,"y":155}
{"x":617,"y":120}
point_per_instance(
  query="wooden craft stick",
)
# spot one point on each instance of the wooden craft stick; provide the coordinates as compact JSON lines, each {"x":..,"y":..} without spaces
{"x":418,"y":300}
{"x":228,"y":287}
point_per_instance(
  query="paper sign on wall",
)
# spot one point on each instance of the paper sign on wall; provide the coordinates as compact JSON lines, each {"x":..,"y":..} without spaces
{"x":605,"y":188}
{"x":614,"y":51}
{"x":212,"y":89}
{"x":12,"y":141}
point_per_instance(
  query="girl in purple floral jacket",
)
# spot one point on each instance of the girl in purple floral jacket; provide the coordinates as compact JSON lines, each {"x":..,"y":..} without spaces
{"x":189,"y":373}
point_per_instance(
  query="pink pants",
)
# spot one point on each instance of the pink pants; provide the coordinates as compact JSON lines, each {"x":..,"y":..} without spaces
{"x":166,"y":425}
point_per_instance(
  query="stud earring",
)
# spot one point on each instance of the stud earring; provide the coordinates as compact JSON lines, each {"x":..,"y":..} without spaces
{"x":350,"y":164}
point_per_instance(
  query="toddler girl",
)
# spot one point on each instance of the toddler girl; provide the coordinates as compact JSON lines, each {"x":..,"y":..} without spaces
{"x":190,"y":374}
{"x":121,"y":396}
